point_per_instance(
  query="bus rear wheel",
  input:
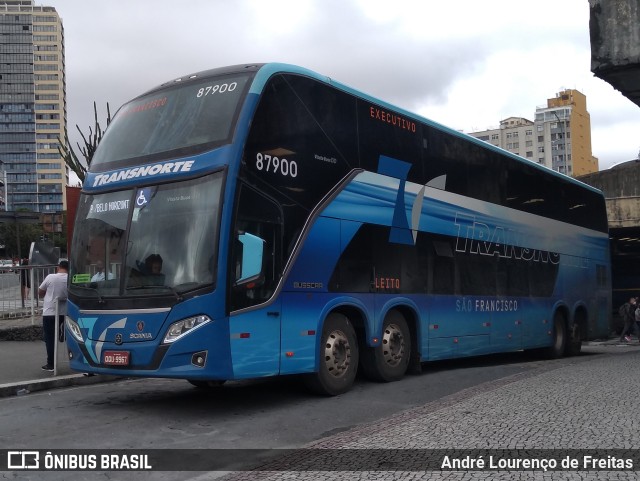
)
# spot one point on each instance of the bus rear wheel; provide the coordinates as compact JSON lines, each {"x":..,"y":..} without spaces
{"x":556,"y":350}
{"x":389,"y":360}
{"x":338,"y":357}
{"x":574,"y":342}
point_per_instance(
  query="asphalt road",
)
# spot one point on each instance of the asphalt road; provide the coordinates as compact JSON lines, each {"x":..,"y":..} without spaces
{"x":267,"y":413}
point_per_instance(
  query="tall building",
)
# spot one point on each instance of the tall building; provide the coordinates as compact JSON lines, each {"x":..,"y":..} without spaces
{"x":564,"y":133}
{"x":32,"y":108}
{"x":559,"y":138}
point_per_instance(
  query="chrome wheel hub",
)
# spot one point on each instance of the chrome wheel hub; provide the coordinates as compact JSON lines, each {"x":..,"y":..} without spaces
{"x":337,"y":353}
{"x":392,"y":345}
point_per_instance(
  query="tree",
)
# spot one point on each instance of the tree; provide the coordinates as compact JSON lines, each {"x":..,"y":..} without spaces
{"x":28,"y":234}
{"x":90,"y":145}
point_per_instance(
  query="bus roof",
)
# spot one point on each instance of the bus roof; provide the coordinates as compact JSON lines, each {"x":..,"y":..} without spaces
{"x":264,"y":71}
{"x":267,"y":70}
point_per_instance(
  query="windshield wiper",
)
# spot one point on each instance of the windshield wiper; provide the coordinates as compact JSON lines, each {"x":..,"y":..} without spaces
{"x":100,"y":299}
{"x":151,"y":286}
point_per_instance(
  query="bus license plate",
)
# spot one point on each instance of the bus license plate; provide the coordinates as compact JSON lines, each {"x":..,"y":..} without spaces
{"x":116,"y":358}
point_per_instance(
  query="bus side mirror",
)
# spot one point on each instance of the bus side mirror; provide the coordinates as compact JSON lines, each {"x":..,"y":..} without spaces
{"x":250,"y":268}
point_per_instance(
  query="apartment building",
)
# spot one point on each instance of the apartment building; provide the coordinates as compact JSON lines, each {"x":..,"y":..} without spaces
{"x":563,"y":128}
{"x":515,"y":134}
{"x":32,"y":108}
{"x":559,"y":138}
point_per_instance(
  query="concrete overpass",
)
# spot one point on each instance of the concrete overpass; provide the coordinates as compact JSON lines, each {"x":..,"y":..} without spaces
{"x":621,"y":187}
{"x":614,"y":27}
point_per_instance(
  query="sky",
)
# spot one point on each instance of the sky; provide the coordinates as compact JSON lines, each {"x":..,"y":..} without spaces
{"x":463,"y":63}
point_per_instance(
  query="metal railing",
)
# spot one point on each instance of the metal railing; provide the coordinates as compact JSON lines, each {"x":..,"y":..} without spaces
{"x":56,"y":336}
{"x":16,"y":302}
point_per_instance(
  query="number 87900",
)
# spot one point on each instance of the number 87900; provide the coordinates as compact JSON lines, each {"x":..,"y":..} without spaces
{"x":276,"y":165}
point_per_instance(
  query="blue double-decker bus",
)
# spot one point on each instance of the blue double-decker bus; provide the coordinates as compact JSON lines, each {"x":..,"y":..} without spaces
{"x":263,"y":220}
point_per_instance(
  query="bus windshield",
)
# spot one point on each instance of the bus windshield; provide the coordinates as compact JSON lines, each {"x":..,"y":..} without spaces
{"x":183,"y":119}
{"x":147,"y":241}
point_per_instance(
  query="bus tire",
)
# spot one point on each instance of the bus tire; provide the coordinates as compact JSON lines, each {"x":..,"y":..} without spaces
{"x":206,"y":384}
{"x":389,"y":360}
{"x":556,"y":350}
{"x":574,"y":341}
{"x":338,"y":356}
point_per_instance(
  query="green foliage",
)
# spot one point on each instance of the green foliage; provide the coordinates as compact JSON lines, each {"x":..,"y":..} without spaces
{"x":9,"y":235}
{"x":10,"y":232}
{"x":91,"y":142}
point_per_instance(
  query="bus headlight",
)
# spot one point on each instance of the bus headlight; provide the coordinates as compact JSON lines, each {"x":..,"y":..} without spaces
{"x":74,"y":328}
{"x":183,"y":327}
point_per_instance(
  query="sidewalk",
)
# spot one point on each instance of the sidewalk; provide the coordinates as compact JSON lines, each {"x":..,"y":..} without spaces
{"x":22,"y":353}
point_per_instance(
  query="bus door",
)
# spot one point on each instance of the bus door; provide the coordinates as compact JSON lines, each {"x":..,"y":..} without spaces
{"x":255,"y":269}
{"x":255,"y":342}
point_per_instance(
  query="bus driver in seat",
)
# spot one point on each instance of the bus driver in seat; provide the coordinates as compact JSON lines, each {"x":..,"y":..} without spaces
{"x":152,"y":270}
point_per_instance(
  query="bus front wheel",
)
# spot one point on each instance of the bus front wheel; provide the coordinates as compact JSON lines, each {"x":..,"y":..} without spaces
{"x":338,"y":357}
{"x":388,"y":361}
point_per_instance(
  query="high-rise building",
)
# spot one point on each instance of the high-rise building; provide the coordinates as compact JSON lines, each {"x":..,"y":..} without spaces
{"x":32,"y":107}
{"x":564,"y":133}
{"x":559,"y":138}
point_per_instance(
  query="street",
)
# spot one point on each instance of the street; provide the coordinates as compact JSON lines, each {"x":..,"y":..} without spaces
{"x":275,"y":413}
{"x":269,"y":413}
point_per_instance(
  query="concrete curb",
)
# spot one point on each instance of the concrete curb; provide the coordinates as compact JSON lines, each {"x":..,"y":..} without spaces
{"x":33,"y":332}
{"x":22,"y":388}
{"x":26,"y":333}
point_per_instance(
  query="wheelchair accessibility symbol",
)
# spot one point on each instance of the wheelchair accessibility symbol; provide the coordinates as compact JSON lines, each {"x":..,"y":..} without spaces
{"x":142,"y":197}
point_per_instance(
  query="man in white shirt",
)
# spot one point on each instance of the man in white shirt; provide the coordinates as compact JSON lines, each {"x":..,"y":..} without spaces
{"x":53,"y":289}
{"x":99,"y":275}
